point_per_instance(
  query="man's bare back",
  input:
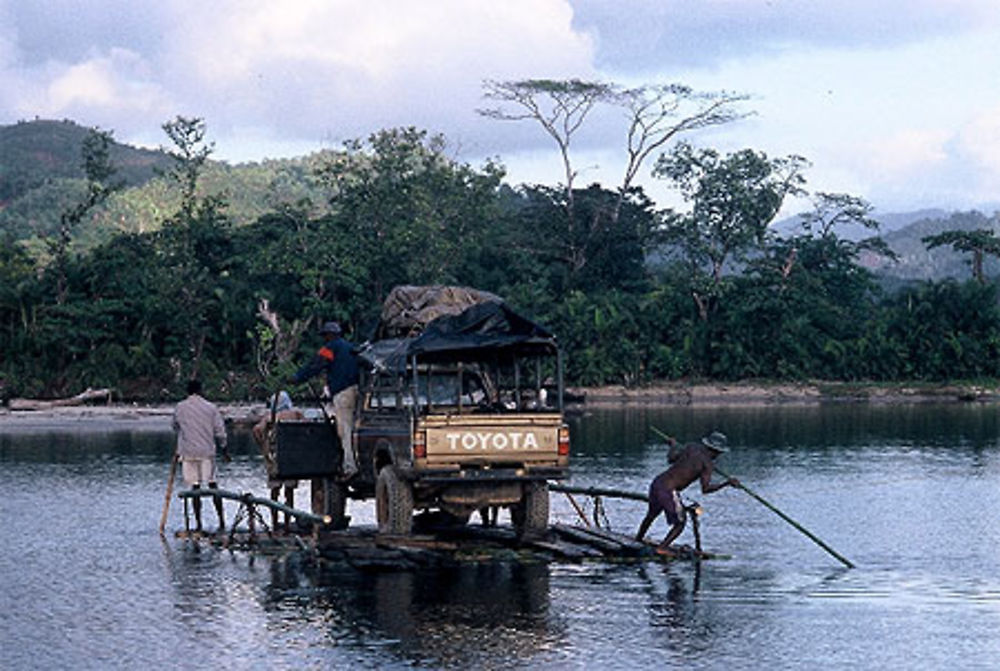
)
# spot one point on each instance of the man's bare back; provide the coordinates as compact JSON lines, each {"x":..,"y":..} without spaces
{"x":693,"y":463}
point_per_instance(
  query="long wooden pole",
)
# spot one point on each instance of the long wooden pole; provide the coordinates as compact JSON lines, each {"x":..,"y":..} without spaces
{"x":775,"y":510}
{"x":255,"y":500}
{"x":170,"y":490}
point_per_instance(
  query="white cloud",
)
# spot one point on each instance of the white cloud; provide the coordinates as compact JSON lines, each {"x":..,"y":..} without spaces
{"x":102,"y":82}
{"x":895,"y":100}
{"x":978,"y":146}
{"x":900,"y":154}
{"x":980,"y":140}
{"x":348,"y":68}
{"x":310,"y":70}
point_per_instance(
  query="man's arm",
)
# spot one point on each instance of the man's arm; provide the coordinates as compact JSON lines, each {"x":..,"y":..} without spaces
{"x":707,"y":486}
{"x":315,"y":366}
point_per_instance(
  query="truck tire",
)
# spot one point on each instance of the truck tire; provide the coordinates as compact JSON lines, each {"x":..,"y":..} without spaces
{"x":531,"y":516}
{"x":393,"y":503}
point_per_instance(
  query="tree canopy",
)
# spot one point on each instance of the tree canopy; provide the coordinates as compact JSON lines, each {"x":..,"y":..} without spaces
{"x":189,"y":283}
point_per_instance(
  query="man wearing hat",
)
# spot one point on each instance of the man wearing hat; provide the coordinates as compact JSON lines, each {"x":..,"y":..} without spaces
{"x":692,"y":462}
{"x":336,"y":359}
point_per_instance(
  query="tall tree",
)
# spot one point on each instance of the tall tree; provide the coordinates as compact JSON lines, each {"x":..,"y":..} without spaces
{"x":190,"y":152}
{"x":559,"y":106}
{"x":733,"y":200}
{"x":99,"y":171}
{"x":658,"y":113}
{"x":654,"y":115}
{"x":980,"y":243}
{"x":196,"y":243}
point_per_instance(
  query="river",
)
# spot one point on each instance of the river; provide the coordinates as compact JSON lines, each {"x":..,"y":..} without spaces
{"x":910,"y":494}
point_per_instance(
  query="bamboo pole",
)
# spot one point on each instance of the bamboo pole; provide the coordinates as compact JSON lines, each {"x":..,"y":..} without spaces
{"x":777,"y":512}
{"x":170,"y":490}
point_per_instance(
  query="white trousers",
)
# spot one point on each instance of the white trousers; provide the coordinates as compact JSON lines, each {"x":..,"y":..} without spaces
{"x":343,"y":412}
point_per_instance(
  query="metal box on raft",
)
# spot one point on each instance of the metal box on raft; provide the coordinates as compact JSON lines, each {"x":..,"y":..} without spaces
{"x":306,"y":449}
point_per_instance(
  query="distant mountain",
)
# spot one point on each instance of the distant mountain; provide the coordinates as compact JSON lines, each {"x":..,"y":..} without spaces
{"x":891,"y":221}
{"x":916,"y":262}
{"x":41,"y":176}
{"x":904,"y":231}
{"x":33,"y":153}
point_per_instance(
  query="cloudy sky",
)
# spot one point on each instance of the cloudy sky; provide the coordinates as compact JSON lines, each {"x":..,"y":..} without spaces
{"x":896,"y":101}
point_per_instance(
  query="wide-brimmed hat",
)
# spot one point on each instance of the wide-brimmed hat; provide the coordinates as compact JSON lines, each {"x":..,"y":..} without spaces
{"x":331,"y":327}
{"x":716,"y":441}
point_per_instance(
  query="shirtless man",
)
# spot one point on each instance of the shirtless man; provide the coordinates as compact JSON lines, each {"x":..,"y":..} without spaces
{"x":692,"y":462}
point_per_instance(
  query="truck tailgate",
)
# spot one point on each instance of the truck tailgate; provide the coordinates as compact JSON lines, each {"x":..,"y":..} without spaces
{"x":485,"y":439}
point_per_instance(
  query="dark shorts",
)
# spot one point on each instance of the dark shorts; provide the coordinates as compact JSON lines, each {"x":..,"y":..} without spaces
{"x":668,"y":501}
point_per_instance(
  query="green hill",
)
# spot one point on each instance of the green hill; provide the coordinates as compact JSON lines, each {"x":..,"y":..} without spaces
{"x":33,"y":153}
{"x":41,"y":176}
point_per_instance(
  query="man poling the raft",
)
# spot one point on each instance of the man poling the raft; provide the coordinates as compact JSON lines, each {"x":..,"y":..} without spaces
{"x":735,"y":483}
{"x":695,"y":461}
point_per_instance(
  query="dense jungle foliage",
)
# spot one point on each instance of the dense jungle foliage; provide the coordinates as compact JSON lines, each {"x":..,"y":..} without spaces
{"x":137,"y":289}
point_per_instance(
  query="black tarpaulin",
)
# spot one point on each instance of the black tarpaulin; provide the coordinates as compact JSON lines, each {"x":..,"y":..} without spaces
{"x":481,"y":326}
{"x":484,"y":326}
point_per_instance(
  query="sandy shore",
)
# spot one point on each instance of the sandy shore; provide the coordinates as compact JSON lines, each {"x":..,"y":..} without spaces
{"x":157,"y":417}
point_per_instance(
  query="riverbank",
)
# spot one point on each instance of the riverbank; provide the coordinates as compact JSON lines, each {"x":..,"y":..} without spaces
{"x":752,"y":393}
{"x":142,"y":416}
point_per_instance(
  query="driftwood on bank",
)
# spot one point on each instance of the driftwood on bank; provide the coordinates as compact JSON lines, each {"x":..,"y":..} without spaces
{"x":87,"y":396}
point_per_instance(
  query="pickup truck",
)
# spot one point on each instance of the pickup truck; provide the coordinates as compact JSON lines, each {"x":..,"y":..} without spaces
{"x":459,"y":414}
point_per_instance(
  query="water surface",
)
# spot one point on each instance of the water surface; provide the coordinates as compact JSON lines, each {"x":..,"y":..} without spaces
{"x":909,"y":494}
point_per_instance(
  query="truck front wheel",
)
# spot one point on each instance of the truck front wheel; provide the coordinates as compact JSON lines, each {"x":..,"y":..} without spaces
{"x":393,"y":503}
{"x":531,"y":516}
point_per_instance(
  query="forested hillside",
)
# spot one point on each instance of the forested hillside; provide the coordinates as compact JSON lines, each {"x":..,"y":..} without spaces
{"x":33,"y":153}
{"x":41,"y":174}
{"x":224,"y":271}
{"x":917,"y":262}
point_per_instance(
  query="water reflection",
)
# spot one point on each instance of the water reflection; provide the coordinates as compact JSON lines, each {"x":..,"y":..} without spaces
{"x":963,"y":425}
{"x":466,"y":616}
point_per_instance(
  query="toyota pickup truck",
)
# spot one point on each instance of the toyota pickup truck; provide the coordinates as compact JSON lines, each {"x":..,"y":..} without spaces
{"x":460,"y":410}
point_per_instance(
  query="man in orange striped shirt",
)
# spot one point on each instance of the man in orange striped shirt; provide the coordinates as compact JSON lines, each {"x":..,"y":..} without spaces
{"x":336,"y":359}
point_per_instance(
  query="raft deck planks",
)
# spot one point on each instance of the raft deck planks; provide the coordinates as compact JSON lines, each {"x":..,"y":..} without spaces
{"x":363,"y":548}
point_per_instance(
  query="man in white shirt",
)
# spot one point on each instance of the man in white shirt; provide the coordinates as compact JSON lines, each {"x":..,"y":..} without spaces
{"x":200,"y":428}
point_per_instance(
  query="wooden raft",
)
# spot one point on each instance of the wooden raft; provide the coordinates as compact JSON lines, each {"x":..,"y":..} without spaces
{"x":434,"y":545}
{"x":363,"y":548}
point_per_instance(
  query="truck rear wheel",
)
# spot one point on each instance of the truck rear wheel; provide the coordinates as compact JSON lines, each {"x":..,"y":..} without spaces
{"x":531,"y":516}
{"x":393,"y":503}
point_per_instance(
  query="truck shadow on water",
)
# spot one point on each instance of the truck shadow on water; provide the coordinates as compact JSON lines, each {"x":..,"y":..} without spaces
{"x":476,"y":614}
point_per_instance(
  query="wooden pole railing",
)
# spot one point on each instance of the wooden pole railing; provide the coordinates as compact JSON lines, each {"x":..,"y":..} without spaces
{"x":256,"y":501}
